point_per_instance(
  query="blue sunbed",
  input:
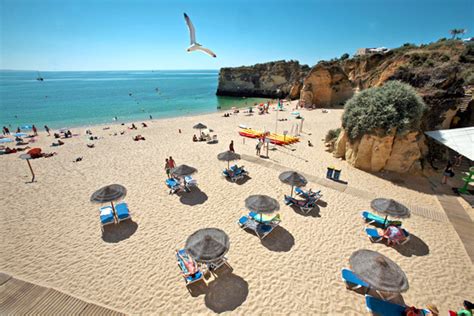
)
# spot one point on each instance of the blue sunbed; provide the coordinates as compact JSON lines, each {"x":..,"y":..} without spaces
{"x":373,"y":234}
{"x":385,"y":308}
{"x":106,"y":215}
{"x":353,"y":282}
{"x":190,"y":278}
{"x":122,"y":212}
{"x":378,"y":220}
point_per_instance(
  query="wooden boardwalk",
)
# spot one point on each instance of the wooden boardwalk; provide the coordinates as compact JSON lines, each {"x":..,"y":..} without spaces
{"x":461,"y":221}
{"x":18,"y":297}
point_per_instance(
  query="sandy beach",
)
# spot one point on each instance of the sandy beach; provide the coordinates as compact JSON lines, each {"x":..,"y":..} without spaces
{"x":51,"y":232}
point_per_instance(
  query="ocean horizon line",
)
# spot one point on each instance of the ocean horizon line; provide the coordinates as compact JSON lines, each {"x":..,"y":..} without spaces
{"x":105,"y":70}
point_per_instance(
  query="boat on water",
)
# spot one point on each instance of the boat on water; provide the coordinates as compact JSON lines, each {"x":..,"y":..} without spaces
{"x":39,"y":78}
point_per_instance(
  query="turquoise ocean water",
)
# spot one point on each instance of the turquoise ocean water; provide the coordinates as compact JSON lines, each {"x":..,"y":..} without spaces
{"x":77,"y":98}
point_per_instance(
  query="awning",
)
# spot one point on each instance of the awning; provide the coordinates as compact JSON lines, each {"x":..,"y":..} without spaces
{"x":460,"y":140}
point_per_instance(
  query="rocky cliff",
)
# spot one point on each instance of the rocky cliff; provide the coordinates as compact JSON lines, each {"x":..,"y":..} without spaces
{"x":277,"y":79}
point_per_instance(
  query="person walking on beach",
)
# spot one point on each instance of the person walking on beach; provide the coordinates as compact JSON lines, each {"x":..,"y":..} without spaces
{"x":171,"y":163}
{"x":231,"y":146}
{"x":18,"y":130}
{"x":448,"y":172}
{"x":46,"y":128}
{"x":6,"y":131}
{"x":35,"y":131}
{"x":167,"y":168}
{"x":259,"y":146}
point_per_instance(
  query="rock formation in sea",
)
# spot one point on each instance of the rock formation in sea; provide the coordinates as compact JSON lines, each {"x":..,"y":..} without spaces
{"x":276,"y":79}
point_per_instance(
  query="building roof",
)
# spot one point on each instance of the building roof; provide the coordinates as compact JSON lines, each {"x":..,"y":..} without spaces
{"x":460,"y":140}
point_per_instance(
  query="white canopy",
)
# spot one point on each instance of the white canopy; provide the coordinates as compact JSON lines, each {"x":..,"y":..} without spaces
{"x":460,"y":140}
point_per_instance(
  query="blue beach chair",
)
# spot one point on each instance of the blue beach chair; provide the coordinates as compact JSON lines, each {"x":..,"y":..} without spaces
{"x":106,"y":215}
{"x":373,"y":234}
{"x":173,"y":184}
{"x":378,"y":220}
{"x":180,"y":254}
{"x":122,"y":212}
{"x":353,"y":282}
{"x":384,"y":308}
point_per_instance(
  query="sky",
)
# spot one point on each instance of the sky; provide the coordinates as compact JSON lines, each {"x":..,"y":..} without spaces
{"x":151,"y":34}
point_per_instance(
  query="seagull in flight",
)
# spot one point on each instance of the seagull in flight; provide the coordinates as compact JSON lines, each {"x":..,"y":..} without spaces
{"x":195,"y":46}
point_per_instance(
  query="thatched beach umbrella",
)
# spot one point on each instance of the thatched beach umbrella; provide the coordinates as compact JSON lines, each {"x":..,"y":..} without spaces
{"x":261,"y":204}
{"x":109,"y":193}
{"x":200,"y":127}
{"x":389,"y":207}
{"x":208,"y":244}
{"x":293,"y":178}
{"x":183,"y":170}
{"x":228,"y":156}
{"x":381,"y":273}
{"x":27,"y":157}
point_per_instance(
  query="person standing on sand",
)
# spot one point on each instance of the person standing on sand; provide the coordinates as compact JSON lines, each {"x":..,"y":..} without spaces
{"x":231,"y":146}
{"x":171,"y":163}
{"x":18,"y":130}
{"x":6,"y":131}
{"x":167,"y":168}
{"x":35,"y":131}
{"x":259,"y":146}
{"x":46,"y":128}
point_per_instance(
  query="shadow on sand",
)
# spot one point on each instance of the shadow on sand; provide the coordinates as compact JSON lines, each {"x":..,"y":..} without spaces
{"x":414,"y":247}
{"x":240,"y":181}
{"x":279,"y":240}
{"x":195,"y":197}
{"x":225,"y":293}
{"x":118,"y":232}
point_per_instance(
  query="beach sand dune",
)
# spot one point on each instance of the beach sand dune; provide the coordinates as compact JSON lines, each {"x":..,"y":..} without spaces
{"x":51,"y":232}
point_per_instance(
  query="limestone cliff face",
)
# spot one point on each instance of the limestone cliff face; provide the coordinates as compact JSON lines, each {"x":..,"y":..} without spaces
{"x":277,"y":79}
{"x":397,"y":153}
{"x":325,"y":85}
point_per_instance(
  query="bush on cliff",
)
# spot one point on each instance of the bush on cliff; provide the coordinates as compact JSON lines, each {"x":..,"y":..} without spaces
{"x":379,"y":110}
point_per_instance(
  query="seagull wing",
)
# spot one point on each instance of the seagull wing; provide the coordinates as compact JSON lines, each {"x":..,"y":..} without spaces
{"x":192,"y":33}
{"x":207,"y":51}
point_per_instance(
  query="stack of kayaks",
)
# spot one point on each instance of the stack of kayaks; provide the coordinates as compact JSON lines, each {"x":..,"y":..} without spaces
{"x":248,"y":132}
{"x":277,"y":139}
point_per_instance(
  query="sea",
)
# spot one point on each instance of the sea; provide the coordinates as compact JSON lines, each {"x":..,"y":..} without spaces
{"x":65,"y":99}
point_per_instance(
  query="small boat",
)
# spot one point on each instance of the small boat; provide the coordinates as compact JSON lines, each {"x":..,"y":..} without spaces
{"x":39,"y":78}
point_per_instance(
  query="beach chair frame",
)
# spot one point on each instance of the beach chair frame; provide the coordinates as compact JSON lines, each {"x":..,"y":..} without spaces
{"x":102,"y":224}
{"x":129,"y":216}
{"x":188,"y":282}
{"x":253,"y":225}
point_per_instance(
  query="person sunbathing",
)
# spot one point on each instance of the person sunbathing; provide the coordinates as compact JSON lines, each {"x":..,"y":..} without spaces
{"x":189,"y":264}
{"x":59,"y":143}
{"x":9,"y":150}
{"x":394,"y":235}
{"x":195,"y":139}
{"x":91,"y":145}
{"x":138,"y":137}
{"x":144,"y":125}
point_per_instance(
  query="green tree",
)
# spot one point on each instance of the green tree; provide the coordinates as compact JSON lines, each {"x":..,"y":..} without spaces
{"x":380,"y":110}
{"x":456,"y":32}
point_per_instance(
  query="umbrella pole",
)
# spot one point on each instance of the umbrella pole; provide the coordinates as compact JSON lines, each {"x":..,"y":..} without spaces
{"x":291,"y":191}
{"x":228,"y":165}
{"x":31,"y":169}
{"x":113,"y":207}
{"x":385,"y":221}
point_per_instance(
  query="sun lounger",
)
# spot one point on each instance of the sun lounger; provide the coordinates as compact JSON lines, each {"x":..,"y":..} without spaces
{"x":385,"y":308}
{"x":122,"y":212}
{"x":173,"y":184}
{"x":261,"y":229}
{"x":217,"y":264}
{"x":212,"y":140}
{"x":235,"y":173}
{"x":106,"y":215}
{"x":374,"y":236}
{"x":353,"y":282}
{"x":377,"y":220}
{"x":305,"y":205}
{"x":308,"y":194}
{"x":181,"y":257}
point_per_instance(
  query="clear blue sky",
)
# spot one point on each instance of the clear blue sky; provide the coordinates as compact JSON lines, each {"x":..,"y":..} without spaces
{"x":151,"y":34}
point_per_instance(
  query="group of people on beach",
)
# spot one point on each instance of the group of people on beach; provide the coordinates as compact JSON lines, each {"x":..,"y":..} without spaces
{"x":169,"y":165}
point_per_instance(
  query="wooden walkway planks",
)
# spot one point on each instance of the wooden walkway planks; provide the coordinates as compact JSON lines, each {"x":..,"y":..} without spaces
{"x":460,"y":220}
{"x":18,"y":297}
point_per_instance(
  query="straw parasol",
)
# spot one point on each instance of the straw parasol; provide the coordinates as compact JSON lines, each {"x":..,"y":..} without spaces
{"x":183,"y":170}
{"x":109,"y":193}
{"x":389,"y":207}
{"x":381,"y":273}
{"x":208,"y":244}
{"x":293,"y":178}
{"x":262,"y":204}
{"x":200,"y":127}
{"x":228,"y":156}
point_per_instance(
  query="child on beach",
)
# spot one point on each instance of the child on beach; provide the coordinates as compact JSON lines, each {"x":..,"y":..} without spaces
{"x":171,"y":163}
{"x":231,"y":146}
